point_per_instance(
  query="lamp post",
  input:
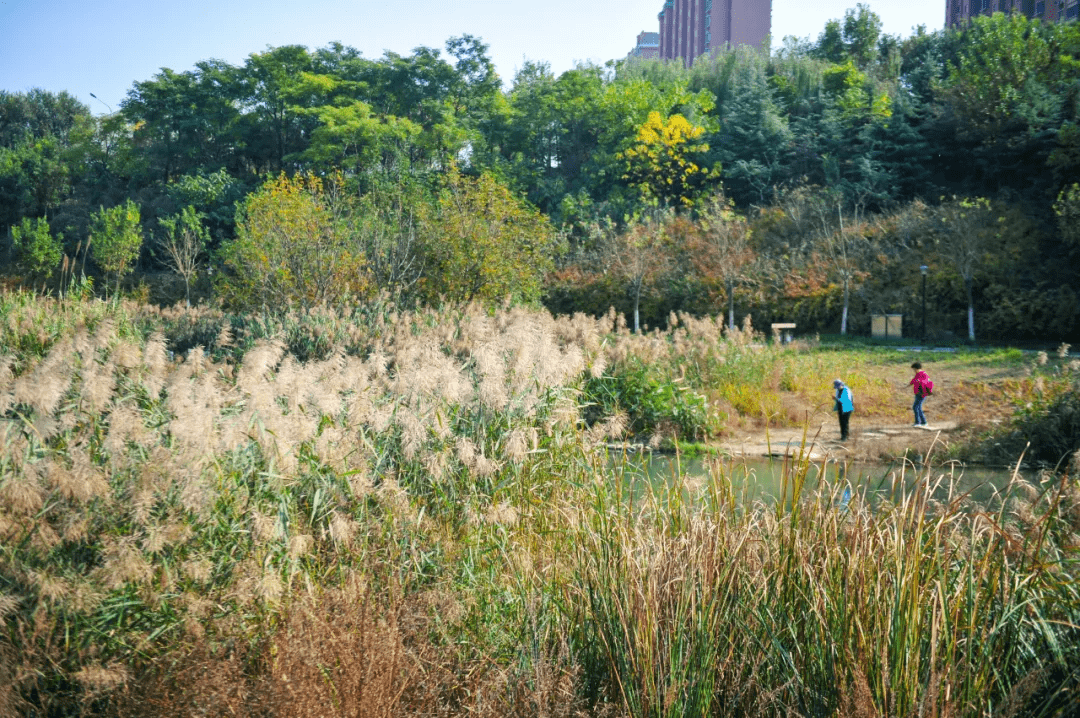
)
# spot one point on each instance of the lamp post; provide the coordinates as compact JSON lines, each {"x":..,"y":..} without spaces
{"x":923,"y":269}
{"x":107,"y":105}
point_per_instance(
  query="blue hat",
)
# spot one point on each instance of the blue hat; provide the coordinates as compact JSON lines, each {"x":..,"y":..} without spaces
{"x":837,"y":383}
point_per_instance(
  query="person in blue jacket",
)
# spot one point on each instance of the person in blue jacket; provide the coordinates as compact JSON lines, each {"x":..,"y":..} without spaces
{"x":845,"y":404}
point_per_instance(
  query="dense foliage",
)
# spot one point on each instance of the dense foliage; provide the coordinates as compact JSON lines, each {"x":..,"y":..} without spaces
{"x":847,"y":157}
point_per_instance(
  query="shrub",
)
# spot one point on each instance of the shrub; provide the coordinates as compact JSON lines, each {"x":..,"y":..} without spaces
{"x":116,"y":237}
{"x":39,"y":252}
{"x":651,"y":400}
{"x":1045,"y":428}
{"x":292,"y":250}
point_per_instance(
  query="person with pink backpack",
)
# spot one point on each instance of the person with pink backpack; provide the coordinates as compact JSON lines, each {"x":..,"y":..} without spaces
{"x":923,"y":388}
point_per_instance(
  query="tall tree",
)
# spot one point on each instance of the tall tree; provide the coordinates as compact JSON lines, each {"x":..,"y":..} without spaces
{"x":722,"y":247}
{"x":183,"y":240}
{"x":966,"y":233}
{"x":183,"y":121}
{"x":44,"y":139}
{"x":277,"y":85}
{"x":751,"y":133}
{"x":663,"y":161}
{"x":638,"y":254}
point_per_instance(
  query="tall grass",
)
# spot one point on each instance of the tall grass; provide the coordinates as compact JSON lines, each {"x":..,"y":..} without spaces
{"x":915,"y":607}
{"x":383,"y":513}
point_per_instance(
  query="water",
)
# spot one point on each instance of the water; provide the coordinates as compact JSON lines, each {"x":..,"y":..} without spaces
{"x":762,"y":479}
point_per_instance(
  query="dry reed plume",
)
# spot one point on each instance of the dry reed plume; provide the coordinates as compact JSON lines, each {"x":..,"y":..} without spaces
{"x":411,"y":521}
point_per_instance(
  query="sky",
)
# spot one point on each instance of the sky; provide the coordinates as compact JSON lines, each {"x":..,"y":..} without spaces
{"x":104,"y":46}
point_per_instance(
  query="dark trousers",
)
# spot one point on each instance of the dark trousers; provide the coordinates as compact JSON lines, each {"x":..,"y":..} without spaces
{"x":845,"y":417}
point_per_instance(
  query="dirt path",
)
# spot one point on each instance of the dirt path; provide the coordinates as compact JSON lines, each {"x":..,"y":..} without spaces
{"x":972,"y":395}
{"x":969,"y":397}
{"x":868,"y":441}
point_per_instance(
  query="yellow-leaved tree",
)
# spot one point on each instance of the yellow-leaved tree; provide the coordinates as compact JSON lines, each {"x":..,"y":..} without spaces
{"x":664,"y":161}
{"x":292,"y":249}
{"x":481,"y":242}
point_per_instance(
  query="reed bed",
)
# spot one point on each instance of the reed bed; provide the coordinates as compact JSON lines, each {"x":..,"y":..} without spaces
{"x":917,"y":606}
{"x":406,"y":513}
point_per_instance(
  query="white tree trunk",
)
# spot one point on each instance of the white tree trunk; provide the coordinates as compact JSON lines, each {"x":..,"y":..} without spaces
{"x":637,"y":304}
{"x":971,"y":309}
{"x":731,"y":305}
{"x":843,"y":315}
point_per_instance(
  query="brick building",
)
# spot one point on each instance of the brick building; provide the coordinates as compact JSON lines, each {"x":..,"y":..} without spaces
{"x":689,"y":28}
{"x":957,"y":11}
{"x":648,"y":46}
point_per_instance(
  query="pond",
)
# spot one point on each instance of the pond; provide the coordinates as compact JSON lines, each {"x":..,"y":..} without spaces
{"x":768,"y":479}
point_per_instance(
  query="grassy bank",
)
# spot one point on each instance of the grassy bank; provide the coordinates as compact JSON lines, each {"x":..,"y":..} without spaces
{"x":407,"y":513}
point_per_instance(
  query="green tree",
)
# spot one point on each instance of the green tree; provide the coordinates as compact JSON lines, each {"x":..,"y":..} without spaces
{"x":279,"y":85}
{"x":362,"y":144}
{"x":862,"y":31}
{"x":856,"y":39}
{"x":1067,"y":209}
{"x":292,"y":249}
{"x":183,"y":240}
{"x":38,"y":250}
{"x":116,"y":238}
{"x":213,"y":195}
{"x":183,"y":122}
{"x":480,"y":242}
{"x":1008,"y":103}
{"x":752,"y":134}
{"x":43,"y":137}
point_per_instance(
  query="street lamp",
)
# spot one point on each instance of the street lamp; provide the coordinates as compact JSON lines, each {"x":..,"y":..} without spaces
{"x":107,"y":105}
{"x":923,"y":269}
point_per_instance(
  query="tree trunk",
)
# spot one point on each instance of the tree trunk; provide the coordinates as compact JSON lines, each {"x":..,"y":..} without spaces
{"x":731,"y":304}
{"x":971,"y":309}
{"x":637,"y":304}
{"x":843,"y":315}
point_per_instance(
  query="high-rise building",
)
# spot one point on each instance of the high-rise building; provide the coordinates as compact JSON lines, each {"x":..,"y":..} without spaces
{"x":690,"y":28}
{"x":648,"y":46}
{"x":957,"y":11}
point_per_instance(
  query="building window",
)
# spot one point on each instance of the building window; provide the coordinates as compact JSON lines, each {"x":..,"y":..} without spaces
{"x":1040,"y":8}
{"x":1072,"y":12}
{"x":708,"y":21}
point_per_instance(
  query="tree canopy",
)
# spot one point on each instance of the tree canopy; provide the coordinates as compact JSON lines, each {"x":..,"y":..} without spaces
{"x":875,"y":122}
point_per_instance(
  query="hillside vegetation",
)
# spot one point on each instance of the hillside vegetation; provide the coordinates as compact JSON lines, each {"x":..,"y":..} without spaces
{"x":807,"y":184}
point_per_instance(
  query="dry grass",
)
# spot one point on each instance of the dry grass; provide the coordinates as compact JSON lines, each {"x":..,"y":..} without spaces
{"x":388,"y":525}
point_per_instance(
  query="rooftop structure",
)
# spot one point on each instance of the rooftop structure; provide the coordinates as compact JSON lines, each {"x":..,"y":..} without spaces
{"x":648,"y":45}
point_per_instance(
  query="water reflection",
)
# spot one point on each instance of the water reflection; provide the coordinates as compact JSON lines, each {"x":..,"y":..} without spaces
{"x":768,"y":479}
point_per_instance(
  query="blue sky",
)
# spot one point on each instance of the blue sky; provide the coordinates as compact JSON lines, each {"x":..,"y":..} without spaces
{"x":103,"y":46}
